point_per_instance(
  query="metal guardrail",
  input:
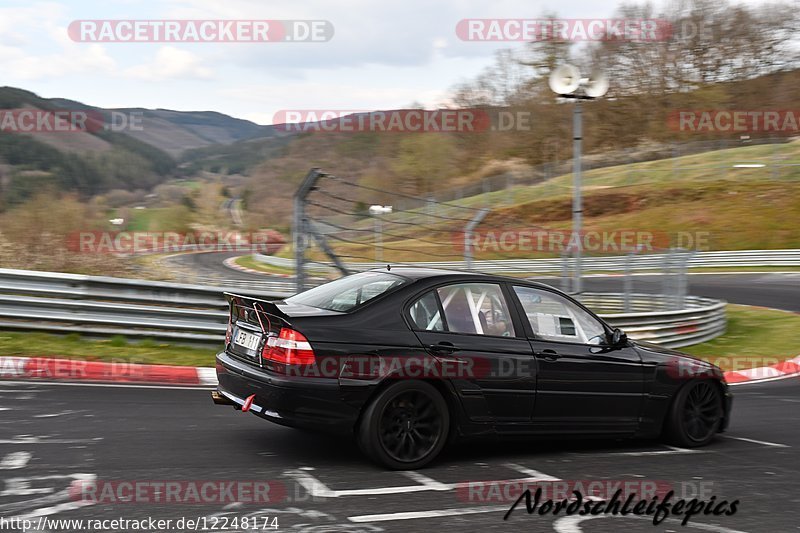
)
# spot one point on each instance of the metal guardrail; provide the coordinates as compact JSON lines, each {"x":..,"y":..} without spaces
{"x":95,"y":305}
{"x":730,"y":258}
{"x":99,"y":305}
{"x":653,"y":319}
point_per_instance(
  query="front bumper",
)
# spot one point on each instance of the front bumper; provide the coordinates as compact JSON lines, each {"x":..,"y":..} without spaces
{"x":727,"y":400}
{"x":305,"y":402}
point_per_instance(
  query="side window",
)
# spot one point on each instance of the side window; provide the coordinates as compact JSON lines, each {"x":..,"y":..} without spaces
{"x":477,"y":308}
{"x":555,"y":318}
{"x":425,"y":313}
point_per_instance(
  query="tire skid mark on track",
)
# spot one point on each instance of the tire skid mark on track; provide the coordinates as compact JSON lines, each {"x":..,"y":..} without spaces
{"x":15,"y":460}
{"x":436,"y":513}
{"x":30,"y":439}
{"x":54,"y":501}
{"x":57,"y":414}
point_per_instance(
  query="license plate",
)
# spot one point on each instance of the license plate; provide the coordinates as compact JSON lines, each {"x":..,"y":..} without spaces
{"x":247,"y":340}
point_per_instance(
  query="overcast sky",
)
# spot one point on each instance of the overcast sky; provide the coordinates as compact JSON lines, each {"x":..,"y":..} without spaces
{"x":384,"y":54}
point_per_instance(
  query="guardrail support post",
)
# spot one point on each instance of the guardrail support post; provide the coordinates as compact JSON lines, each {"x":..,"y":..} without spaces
{"x":565,"y":279}
{"x":299,"y":230}
{"x":683,"y":279}
{"x":628,"y":281}
{"x":468,"y":229}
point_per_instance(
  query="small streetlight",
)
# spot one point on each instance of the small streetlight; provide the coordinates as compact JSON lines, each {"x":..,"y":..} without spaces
{"x":566,"y":81}
{"x":376,"y":211}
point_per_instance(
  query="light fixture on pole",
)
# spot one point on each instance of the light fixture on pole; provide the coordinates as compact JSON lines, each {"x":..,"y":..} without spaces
{"x":566,"y":81}
{"x":376,"y":211}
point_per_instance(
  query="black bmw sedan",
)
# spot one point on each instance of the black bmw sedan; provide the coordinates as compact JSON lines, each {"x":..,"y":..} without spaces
{"x":409,"y":359}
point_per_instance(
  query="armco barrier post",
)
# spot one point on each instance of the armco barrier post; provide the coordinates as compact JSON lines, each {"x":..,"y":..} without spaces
{"x":628,"y":281}
{"x":299,"y":233}
{"x":468,"y":229}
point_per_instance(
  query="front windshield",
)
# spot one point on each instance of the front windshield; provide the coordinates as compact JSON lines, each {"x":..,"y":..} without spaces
{"x":350,"y":292}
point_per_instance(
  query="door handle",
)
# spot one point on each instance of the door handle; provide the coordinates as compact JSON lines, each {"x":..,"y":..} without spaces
{"x":443,"y":347}
{"x":550,"y":355}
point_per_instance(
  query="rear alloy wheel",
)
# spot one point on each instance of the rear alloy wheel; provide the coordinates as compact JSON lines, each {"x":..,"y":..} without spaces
{"x":696,"y":414}
{"x":406,"y":425}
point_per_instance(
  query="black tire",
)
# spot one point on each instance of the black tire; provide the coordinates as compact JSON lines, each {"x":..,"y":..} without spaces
{"x":695,"y":415}
{"x":405,"y":426}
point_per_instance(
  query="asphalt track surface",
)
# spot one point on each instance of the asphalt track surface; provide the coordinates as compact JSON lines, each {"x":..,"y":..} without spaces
{"x":210,"y":265}
{"x":53,"y":435}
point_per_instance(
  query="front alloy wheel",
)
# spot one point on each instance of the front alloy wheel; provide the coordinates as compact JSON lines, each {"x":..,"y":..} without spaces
{"x":696,"y":414}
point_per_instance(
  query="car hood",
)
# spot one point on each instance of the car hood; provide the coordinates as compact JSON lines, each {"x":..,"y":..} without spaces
{"x":655,"y":348}
{"x":661,"y":350}
{"x":674,"y":356}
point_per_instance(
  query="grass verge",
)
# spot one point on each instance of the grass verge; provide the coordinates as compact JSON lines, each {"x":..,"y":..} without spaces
{"x":116,"y":349}
{"x":248,"y":261}
{"x":756,"y":337}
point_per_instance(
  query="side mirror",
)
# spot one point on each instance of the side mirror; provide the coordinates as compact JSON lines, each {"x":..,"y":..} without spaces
{"x":618,"y":337}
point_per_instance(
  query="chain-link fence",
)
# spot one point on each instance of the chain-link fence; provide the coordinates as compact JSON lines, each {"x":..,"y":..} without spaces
{"x":768,"y":161}
{"x":341,"y":221}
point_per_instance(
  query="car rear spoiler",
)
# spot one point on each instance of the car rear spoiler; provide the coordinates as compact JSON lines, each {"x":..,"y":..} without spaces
{"x":263,"y":313}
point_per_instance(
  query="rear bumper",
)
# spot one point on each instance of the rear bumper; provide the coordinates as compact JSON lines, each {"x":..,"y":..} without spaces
{"x":312,"y":403}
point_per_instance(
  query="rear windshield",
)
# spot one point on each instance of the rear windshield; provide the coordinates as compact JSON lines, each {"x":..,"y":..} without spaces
{"x":349,"y":292}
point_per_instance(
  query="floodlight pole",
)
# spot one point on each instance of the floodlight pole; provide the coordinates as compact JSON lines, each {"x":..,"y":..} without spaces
{"x":565,"y":81}
{"x":577,"y":201}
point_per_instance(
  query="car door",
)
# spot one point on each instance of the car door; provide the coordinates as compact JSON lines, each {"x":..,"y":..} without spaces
{"x":470,"y":325}
{"x":583,"y":384}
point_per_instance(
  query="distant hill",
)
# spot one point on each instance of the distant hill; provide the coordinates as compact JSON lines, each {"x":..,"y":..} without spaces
{"x":178,"y":131}
{"x":98,"y":160}
{"x":168,"y":130}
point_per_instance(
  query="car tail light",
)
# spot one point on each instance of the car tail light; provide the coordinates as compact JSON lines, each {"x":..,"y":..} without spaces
{"x":290,"y":347}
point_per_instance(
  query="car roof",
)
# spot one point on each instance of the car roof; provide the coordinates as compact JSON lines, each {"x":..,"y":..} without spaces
{"x":417,"y":273}
{"x":423,"y":272}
